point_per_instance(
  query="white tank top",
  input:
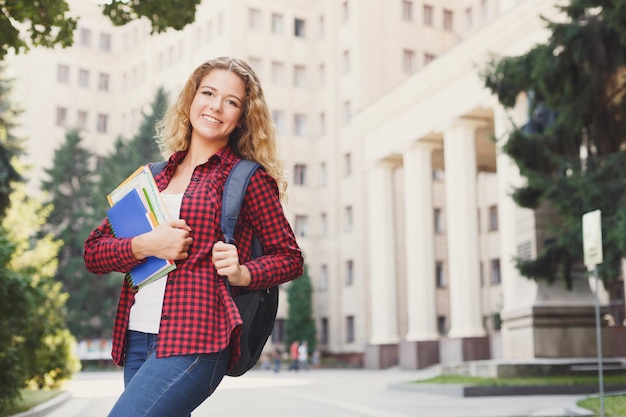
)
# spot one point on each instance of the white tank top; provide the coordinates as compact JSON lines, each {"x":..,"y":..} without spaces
{"x":145,"y":314}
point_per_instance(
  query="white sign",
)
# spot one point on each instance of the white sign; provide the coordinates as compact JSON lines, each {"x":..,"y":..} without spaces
{"x":592,"y":238}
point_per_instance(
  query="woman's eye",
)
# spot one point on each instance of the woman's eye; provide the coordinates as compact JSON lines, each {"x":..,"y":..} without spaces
{"x":232,"y":103}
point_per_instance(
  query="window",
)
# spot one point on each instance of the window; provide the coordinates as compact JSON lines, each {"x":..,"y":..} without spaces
{"x":278,"y":334}
{"x":300,"y":125}
{"x":324,"y":277}
{"x":257,"y":65}
{"x":322,"y":74}
{"x":438,"y":221}
{"x":322,"y":121}
{"x":323,"y":225}
{"x":347,"y":164}
{"x":322,"y":27}
{"x":407,"y":10}
{"x":278,"y":24}
{"x":105,"y":42}
{"x":81,"y":119}
{"x":440,"y":278}
{"x":324,"y":330}
{"x":85,"y":38}
{"x":427,"y":17}
{"x":349,"y":219}
{"x":83,"y":78}
{"x":349,"y":272}
{"x":299,"y":28}
{"x":448,"y":20}
{"x":299,"y":174}
{"x":484,"y":9}
{"x":61,"y":117}
{"x":299,"y":76}
{"x":493,"y":218}
{"x":103,"y":82}
{"x":441,"y":325}
{"x":428,"y":58}
{"x":278,"y":116}
{"x":495,"y":271}
{"x":103,"y":120}
{"x":345,"y":11}
{"x":350,"y":338}
{"x":255,"y":19}
{"x":347,"y":112}
{"x":278,"y":73}
{"x":345,"y":61}
{"x":301,"y":226}
{"x":469,"y":21}
{"x":63,"y":74}
{"x":408,"y":61}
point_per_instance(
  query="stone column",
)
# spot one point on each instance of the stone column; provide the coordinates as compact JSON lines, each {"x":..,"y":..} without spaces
{"x":467,"y":339}
{"x":381,"y":351}
{"x":421,"y":347}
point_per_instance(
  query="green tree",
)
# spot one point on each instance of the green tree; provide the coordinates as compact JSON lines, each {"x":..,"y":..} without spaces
{"x":300,"y":324}
{"x":48,"y":23}
{"x":572,"y":151}
{"x":10,"y":146}
{"x":71,"y":182}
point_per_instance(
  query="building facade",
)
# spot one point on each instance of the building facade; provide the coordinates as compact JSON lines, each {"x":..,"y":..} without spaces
{"x":398,"y":194}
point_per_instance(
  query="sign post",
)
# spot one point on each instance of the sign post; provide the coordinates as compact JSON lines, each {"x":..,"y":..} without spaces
{"x":592,"y":243}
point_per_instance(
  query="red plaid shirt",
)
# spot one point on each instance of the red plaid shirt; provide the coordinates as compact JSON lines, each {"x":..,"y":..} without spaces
{"x":198,"y":314}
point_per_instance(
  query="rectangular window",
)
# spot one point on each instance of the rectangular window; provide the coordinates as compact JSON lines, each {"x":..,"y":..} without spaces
{"x":278,"y":24}
{"x":255,"y":19}
{"x":299,"y":76}
{"x":350,"y":337}
{"x":278,"y":73}
{"x":345,"y":61}
{"x":484,"y":9}
{"x":495,"y":271}
{"x":349,"y":272}
{"x":105,"y":42}
{"x":493,"y":218}
{"x":322,"y":26}
{"x":323,"y":174}
{"x":439,"y":275}
{"x":448,"y":23}
{"x":278,"y":116}
{"x":300,"y":125}
{"x":257,"y":66}
{"x":299,"y":174}
{"x":427,"y":17}
{"x":324,"y":277}
{"x":323,"y":225}
{"x":301,"y":227}
{"x":407,"y":10}
{"x":61,"y":116}
{"x":103,"y":121}
{"x":322,"y":74}
{"x":81,"y":119}
{"x":347,"y":112}
{"x":347,"y":165}
{"x":278,"y":334}
{"x":63,"y":74}
{"x":322,"y":121}
{"x":438,"y":221}
{"x":324,"y":331}
{"x":409,"y":64}
{"x":469,"y":18}
{"x":441,"y":325}
{"x":83,"y":78}
{"x":85,"y":38}
{"x":349,"y":219}
{"x":428,"y":58}
{"x":299,"y":28}
{"x":103,"y":82}
{"x":345,"y":11}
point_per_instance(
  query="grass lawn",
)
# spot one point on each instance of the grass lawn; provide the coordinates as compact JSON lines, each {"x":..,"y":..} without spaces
{"x":614,"y":405}
{"x":523,"y":381}
{"x":30,"y":399}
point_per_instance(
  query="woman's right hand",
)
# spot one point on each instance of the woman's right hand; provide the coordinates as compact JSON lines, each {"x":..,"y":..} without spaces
{"x":170,"y":240}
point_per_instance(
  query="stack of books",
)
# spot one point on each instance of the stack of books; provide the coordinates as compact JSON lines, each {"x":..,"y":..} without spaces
{"x":137,"y":208}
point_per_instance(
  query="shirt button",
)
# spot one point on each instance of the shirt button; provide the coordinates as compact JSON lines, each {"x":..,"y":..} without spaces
{"x":164,"y":317}
{"x":170,"y":280}
{"x":188,"y":195}
{"x":195,"y":179}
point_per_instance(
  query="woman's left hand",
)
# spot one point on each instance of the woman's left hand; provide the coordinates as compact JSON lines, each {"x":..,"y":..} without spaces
{"x":226,"y":261}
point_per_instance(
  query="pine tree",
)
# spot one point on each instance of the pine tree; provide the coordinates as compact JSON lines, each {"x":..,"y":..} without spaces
{"x":300,"y":324}
{"x":10,"y":145}
{"x":572,"y":151}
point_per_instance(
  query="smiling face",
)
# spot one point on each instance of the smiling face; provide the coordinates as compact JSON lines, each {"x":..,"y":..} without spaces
{"x":217,"y":107}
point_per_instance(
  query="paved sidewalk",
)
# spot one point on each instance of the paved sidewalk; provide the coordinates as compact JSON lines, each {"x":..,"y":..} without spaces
{"x":328,"y":393}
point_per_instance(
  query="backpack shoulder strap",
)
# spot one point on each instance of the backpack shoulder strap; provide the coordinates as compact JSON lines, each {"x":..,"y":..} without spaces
{"x":234,"y":193}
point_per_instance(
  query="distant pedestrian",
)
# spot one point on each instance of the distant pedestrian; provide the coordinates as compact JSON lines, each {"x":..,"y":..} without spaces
{"x":303,"y":355}
{"x":293,"y":355}
{"x":277,"y":356}
{"x":316,"y":359}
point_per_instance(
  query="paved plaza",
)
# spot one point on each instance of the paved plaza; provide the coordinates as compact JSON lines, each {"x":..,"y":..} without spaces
{"x":321,"y":393}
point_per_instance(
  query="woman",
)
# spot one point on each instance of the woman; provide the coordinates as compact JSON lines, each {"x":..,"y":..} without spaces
{"x":178,"y":336}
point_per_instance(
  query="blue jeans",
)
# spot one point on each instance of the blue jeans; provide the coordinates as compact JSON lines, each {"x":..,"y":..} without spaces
{"x":166,"y":387}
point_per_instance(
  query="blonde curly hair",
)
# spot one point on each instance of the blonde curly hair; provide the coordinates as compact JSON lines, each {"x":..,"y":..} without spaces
{"x":254,"y":138}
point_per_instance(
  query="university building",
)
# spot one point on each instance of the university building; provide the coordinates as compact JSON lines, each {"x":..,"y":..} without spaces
{"x":399,"y":196}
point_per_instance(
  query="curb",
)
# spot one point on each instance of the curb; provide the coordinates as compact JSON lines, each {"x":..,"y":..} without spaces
{"x":44,"y":408}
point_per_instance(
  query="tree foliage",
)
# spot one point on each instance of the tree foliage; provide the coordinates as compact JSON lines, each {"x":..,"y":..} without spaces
{"x":30,"y":23}
{"x":572,"y":150}
{"x":300,"y":324}
{"x":10,"y":146}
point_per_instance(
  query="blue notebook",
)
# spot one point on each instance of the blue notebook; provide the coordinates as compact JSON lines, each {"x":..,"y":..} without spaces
{"x":129,"y":217}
